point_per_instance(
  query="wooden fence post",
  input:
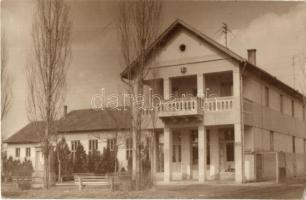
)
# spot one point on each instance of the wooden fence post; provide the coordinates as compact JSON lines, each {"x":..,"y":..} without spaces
{"x":112,"y":183}
{"x":80,"y":183}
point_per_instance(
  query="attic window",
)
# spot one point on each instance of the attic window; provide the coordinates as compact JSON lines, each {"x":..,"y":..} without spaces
{"x":182,"y":47}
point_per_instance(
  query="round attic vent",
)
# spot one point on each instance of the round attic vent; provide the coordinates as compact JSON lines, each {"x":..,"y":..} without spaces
{"x":182,"y":47}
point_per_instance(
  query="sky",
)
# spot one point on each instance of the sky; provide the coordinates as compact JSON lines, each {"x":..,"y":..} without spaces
{"x":275,"y":29}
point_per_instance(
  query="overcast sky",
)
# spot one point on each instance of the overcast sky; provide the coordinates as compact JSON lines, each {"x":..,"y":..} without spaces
{"x":275,"y":29}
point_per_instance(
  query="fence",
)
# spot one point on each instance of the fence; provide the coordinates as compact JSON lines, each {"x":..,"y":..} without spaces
{"x":279,"y":165}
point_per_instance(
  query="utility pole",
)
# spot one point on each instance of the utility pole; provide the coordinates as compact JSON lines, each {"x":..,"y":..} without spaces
{"x":225,"y":31}
{"x":293,"y":70}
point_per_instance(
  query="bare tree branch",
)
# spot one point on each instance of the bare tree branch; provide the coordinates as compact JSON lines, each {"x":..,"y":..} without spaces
{"x":6,"y":81}
{"x":138,"y":24}
{"x":46,"y":75}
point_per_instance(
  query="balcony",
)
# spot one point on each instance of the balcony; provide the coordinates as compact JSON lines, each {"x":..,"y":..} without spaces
{"x":192,"y":106}
{"x":181,"y":107}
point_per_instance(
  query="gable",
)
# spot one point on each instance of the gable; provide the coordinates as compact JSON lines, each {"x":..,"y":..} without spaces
{"x":195,"y":50}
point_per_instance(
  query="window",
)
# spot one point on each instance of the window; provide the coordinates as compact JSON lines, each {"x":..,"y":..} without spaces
{"x":129,"y":148}
{"x":229,"y":144}
{"x":74,"y":145}
{"x":271,"y":141}
{"x":293,"y":144}
{"x":208,"y":147}
{"x":28,"y":152}
{"x":230,"y":152}
{"x":160,"y":152}
{"x":292,"y":108}
{"x":195,"y":149}
{"x":182,"y":47}
{"x":93,"y":145}
{"x":17,"y":152}
{"x":267,"y":98}
{"x":281,"y":103}
{"x":177,"y":148}
{"x":111,"y":144}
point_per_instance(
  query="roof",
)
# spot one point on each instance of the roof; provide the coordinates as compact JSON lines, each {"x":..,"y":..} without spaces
{"x":180,"y":25}
{"x":85,"y":120}
{"x":95,"y":120}
{"x":31,"y":133}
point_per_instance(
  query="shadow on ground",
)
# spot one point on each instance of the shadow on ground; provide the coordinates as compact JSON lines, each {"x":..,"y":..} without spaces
{"x":291,"y":189}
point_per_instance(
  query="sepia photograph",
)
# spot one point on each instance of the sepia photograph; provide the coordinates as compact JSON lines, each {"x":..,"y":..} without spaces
{"x":153,"y":99}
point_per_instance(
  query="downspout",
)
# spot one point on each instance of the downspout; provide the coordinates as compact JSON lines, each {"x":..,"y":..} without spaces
{"x":241,"y":117}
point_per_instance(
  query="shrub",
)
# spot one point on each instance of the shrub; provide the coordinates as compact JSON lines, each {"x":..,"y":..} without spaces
{"x":93,"y":161}
{"x":25,"y":169}
{"x":106,"y":162}
{"x":16,"y":168}
{"x":80,"y":160}
{"x":23,"y":172}
{"x":62,"y":155}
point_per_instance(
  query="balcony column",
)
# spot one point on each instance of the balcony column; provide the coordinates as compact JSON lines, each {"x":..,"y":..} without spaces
{"x":202,"y":148}
{"x":153,"y":153}
{"x":167,"y":154}
{"x":214,"y":154}
{"x":167,"y":88}
{"x":238,"y":127}
{"x":186,"y":155}
{"x":200,"y":85}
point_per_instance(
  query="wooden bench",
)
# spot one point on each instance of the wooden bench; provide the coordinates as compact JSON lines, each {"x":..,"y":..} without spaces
{"x":95,"y":180}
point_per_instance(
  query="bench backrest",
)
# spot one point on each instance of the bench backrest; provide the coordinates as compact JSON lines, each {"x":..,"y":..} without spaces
{"x":92,"y":178}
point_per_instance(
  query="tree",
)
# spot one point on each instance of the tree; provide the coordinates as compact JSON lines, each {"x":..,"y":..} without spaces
{"x":46,"y":75}
{"x":80,"y":160}
{"x":107,"y":162}
{"x":6,"y":89}
{"x":93,"y":160}
{"x":62,"y":161}
{"x":138,"y":25}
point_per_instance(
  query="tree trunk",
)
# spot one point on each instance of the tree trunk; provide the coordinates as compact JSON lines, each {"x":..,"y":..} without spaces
{"x":59,"y":171}
{"x":46,"y":172}
{"x":151,"y":155}
{"x":138,"y":134}
{"x":46,"y":158}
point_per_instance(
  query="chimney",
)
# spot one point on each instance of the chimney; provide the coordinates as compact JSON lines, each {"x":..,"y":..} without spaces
{"x":65,"y":110}
{"x":252,"y":56}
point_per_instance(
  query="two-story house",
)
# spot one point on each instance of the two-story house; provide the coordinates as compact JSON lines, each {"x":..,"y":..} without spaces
{"x":221,"y":117}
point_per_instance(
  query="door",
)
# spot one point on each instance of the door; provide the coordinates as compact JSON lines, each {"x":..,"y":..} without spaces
{"x":194,"y":154}
{"x":259,"y":168}
{"x":177,"y":156}
{"x":38,"y":161}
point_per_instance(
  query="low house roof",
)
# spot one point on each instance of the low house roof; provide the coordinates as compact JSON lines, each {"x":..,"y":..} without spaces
{"x":86,"y":120}
{"x":95,"y":120}
{"x":31,"y":133}
{"x":181,"y":25}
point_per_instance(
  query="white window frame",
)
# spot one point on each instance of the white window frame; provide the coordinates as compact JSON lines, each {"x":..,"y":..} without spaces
{"x":92,"y":145}
{"x":17,"y":152}
{"x":28,"y":152}
{"x":111,"y":144}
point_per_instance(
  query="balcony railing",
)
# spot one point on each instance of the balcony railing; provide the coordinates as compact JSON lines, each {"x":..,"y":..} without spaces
{"x":218,"y":104}
{"x":181,"y":106}
{"x":192,"y":106}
